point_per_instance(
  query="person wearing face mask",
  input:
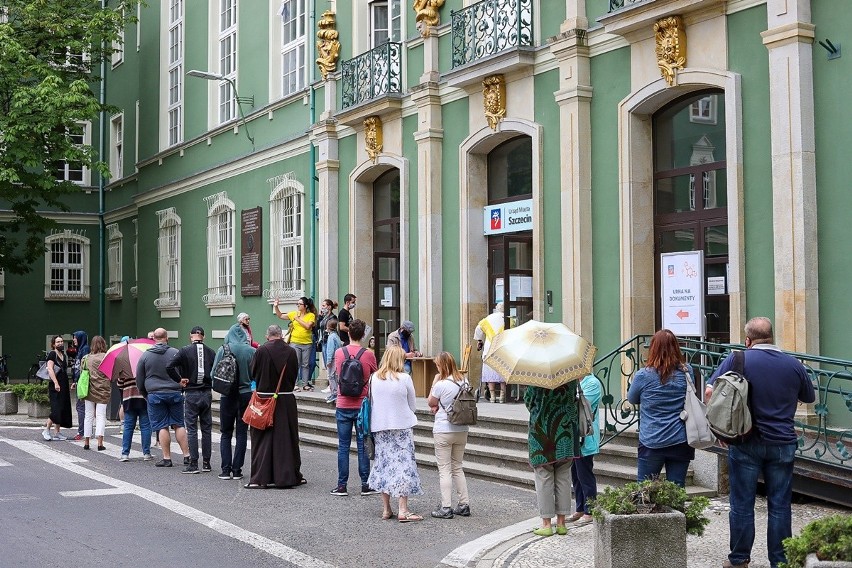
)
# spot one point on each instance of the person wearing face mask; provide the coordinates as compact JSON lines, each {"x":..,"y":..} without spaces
{"x":59,"y":389}
{"x":404,"y":337}
{"x":344,"y":317}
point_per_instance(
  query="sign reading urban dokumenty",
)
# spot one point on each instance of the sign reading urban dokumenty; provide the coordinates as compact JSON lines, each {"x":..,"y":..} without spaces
{"x":508,"y":217}
{"x":251,"y":250}
{"x":682,"y":288}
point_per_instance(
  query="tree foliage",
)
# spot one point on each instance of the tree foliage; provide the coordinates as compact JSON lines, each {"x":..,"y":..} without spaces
{"x":50,"y":56}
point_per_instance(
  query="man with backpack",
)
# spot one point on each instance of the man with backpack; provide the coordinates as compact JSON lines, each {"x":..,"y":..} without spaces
{"x":777,"y":382}
{"x":239,"y":352}
{"x":354,"y":365}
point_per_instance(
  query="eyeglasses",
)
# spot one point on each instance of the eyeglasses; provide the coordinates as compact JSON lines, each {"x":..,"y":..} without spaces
{"x":300,"y":303}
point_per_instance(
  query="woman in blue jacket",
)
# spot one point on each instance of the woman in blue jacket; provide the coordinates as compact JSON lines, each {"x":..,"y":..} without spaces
{"x":583,"y":471}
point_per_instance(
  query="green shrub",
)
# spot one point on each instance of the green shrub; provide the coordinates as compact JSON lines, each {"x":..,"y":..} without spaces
{"x":32,"y":393}
{"x":652,"y":496}
{"x":830,"y":538}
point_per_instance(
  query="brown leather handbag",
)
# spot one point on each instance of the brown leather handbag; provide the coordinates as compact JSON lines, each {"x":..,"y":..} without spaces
{"x":261,"y":408}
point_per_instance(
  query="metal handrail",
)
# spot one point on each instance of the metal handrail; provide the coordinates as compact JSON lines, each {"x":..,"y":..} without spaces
{"x":372,"y":74}
{"x":489,"y":27}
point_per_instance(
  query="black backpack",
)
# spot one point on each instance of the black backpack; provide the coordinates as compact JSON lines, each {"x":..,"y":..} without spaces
{"x":351,"y":379}
{"x":226,"y":372}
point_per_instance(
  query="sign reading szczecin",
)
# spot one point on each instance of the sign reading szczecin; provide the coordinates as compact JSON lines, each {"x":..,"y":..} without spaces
{"x":508,"y":217}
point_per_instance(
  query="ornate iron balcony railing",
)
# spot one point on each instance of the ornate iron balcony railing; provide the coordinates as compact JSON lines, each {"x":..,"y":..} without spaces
{"x":619,"y":4}
{"x":375,"y":73}
{"x":489,"y":27}
{"x":821,"y":438}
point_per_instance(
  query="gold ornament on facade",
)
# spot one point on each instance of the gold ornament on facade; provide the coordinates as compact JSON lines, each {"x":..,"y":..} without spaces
{"x":328,"y":47}
{"x":427,"y":15}
{"x":671,"y":46}
{"x":494,"y":99}
{"x":373,"y":139}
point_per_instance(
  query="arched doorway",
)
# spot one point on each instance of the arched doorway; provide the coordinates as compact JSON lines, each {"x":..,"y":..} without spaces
{"x":690,"y":197}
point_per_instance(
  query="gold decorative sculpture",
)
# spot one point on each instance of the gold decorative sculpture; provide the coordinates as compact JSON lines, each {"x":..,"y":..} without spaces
{"x":494,"y":99}
{"x":427,"y":15}
{"x":373,"y":136}
{"x":328,"y":47}
{"x":671,"y":46}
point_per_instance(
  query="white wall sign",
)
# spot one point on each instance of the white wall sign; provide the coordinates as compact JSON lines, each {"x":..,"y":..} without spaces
{"x":715,"y":285}
{"x":508,"y":217}
{"x":682,"y":288}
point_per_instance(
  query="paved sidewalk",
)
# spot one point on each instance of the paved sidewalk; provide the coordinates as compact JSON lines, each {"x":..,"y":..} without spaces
{"x":577,"y":548}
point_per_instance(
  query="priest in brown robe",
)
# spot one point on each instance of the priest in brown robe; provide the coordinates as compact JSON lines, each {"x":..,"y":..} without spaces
{"x":275,"y":458}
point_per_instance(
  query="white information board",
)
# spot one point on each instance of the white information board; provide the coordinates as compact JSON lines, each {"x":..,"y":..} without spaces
{"x":682,"y":289}
{"x":508,"y":217}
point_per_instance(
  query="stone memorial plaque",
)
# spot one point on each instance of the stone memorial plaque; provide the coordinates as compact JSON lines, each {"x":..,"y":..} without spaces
{"x":251,"y":252}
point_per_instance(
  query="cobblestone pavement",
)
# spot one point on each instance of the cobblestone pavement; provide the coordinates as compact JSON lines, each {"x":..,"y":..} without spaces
{"x":577,"y":548}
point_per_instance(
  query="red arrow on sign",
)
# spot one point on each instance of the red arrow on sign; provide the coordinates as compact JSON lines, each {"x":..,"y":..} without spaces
{"x":682,"y":314}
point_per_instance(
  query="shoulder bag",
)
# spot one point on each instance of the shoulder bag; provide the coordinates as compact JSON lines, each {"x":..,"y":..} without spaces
{"x":698,"y":433}
{"x":83,"y":381}
{"x":42,"y":371}
{"x":362,"y":423}
{"x":261,"y":408}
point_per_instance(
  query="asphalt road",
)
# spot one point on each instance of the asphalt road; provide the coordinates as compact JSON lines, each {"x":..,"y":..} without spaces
{"x":61,"y":506}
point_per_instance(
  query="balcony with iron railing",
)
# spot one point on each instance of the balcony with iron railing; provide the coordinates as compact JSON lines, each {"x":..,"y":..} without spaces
{"x":490,"y":27}
{"x":371,"y":75}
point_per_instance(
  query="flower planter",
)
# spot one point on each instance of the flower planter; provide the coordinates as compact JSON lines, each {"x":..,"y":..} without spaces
{"x":622,"y":539}
{"x":38,"y":410}
{"x":8,"y":403}
{"x":813,"y":562}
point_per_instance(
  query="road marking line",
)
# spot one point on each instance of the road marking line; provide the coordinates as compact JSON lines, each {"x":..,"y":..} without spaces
{"x":5,"y":464}
{"x":475,"y":549}
{"x":95,"y":492}
{"x":262,"y":543}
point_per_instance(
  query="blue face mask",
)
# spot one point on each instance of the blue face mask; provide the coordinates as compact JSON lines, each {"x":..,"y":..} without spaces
{"x":352,"y":306}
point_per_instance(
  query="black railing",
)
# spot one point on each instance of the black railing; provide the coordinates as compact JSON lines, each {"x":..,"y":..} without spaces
{"x":489,"y":27}
{"x":373,"y":74}
{"x":823,"y":436}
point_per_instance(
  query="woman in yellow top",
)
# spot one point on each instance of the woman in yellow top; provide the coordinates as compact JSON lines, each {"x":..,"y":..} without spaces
{"x":302,"y":321}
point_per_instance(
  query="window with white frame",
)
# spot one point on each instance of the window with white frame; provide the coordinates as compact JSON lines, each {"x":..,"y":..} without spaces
{"x":114,"y":240}
{"x":66,"y":266}
{"x":385,"y":21}
{"x":169,"y":260}
{"x":118,"y":45}
{"x":71,"y":170}
{"x":116,"y":155}
{"x":220,"y":250}
{"x":293,"y":45}
{"x":134,"y":289}
{"x":227,"y":59}
{"x":287,"y":237}
{"x":174,"y":107}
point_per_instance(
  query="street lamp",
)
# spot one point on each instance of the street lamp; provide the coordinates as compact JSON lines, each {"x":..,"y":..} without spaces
{"x":240,"y":100}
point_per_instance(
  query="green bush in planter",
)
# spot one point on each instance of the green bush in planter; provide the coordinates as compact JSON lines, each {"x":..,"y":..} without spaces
{"x":830,"y":538}
{"x":652,"y":496}
{"x":32,"y":393}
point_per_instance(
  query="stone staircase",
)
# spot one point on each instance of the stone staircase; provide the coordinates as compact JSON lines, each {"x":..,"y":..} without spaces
{"x":496,"y":448}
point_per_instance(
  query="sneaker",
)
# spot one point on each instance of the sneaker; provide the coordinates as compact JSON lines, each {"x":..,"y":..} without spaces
{"x":331,"y":400}
{"x":185,"y":460}
{"x":340,"y":491}
{"x":224,"y":475}
{"x":367,"y":490}
{"x":462,"y":510}
{"x":443,"y":513}
{"x":61,"y":437}
{"x":147,"y":457}
{"x":205,"y":467}
{"x":124,"y":458}
{"x":78,"y":437}
{"x":191,"y":468}
{"x":164,"y":463}
{"x":46,"y":435}
{"x":237,"y":474}
{"x":326,"y":389}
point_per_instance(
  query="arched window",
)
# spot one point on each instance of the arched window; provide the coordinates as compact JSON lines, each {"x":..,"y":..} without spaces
{"x":66,"y":267}
{"x":287,"y":244}
{"x":169,"y":260}
{"x":114,"y":261}
{"x":220,"y":250}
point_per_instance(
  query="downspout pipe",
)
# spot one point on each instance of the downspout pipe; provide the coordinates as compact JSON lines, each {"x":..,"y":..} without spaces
{"x":314,"y":212}
{"x":101,"y":192}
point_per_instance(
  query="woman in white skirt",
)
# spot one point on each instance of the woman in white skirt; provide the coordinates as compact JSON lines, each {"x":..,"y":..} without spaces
{"x":394,"y":471}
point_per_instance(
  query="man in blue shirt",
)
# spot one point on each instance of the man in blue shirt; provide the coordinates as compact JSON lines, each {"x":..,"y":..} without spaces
{"x":404,"y":337}
{"x":777,"y":383}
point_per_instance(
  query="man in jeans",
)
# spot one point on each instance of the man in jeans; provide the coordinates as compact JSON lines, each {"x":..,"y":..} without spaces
{"x":347,"y":412}
{"x":165,"y":401}
{"x":192,"y":367}
{"x":777,"y":383}
{"x":233,"y":405}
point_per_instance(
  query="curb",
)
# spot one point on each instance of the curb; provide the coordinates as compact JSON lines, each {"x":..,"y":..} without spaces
{"x":482,"y":551}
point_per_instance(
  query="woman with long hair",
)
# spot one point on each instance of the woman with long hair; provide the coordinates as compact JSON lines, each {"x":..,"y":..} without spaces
{"x":59,"y":390}
{"x":660,"y":391}
{"x":450,"y":440}
{"x":392,"y":421}
{"x":302,"y":321}
{"x":99,"y":393}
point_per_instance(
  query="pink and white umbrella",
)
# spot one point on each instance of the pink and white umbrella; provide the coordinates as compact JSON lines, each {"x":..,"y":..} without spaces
{"x":132,"y":351}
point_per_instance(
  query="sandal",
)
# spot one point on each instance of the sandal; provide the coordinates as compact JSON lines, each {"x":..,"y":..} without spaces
{"x":254,"y":486}
{"x":386,"y":516}
{"x":307,"y":388}
{"x":575,"y":517}
{"x":409,"y":517}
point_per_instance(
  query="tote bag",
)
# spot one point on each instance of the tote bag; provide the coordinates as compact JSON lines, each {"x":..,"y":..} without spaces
{"x":83,"y":381}
{"x":698,"y":433}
